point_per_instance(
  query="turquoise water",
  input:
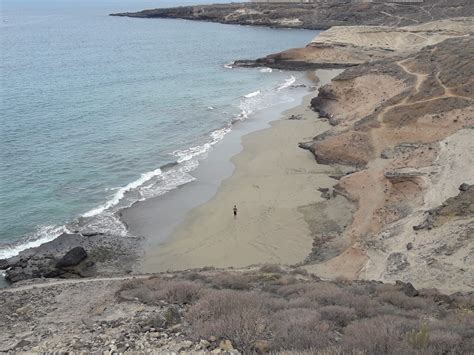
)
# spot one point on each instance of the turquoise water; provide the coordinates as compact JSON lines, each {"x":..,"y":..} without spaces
{"x":93,"y":107}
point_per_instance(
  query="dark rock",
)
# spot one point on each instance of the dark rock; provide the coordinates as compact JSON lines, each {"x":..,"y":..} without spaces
{"x":396,"y":262}
{"x":72,"y":258}
{"x":407,"y":288}
{"x":172,"y":316}
{"x":156,"y":321}
{"x":105,"y":253}
{"x":295,"y":117}
{"x":325,"y":193}
{"x":387,"y":153}
{"x":305,"y":145}
{"x":4,"y":264}
{"x":91,"y":234}
{"x":464,"y":187}
{"x":410,"y":246}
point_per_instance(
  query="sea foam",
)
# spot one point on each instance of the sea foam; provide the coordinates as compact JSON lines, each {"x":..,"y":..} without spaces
{"x":121,"y":193}
{"x":43,"y":235}
{"x":288,"y":82}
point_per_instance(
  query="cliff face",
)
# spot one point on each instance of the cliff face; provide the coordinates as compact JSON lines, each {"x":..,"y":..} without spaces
{"x":406,"y":124}
{"x":315,"y":16}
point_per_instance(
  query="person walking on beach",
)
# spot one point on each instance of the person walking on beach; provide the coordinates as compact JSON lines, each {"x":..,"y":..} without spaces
{"x":235,"y":211}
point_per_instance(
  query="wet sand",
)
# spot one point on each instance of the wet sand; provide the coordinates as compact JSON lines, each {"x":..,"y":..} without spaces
{"x":272,"y":179}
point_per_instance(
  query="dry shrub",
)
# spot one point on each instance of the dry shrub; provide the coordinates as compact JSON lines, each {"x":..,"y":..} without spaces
{"x":242,"y":317}
{"x":233,"y":281}
{"x":458,"y":323}
{"x":444,"y":342}
{"x":294,"y":290}
{"x":464,"y":301}
{"x":195,"y":276}
{"x":332,"y":350}
{"x":299,"y":271}
{"x":327,"y":294}
{"x":153,"y":290}
{"x":271,"y":268}
{"x":364,"y":306}
{"x":399,"y":299}
{"x":339,"y":315}
{"x":286,"y":280}
{"x":302,"y":302}
{"x":379,"y":335}
{"x":183,"y":292}
{"x":299,"y":329}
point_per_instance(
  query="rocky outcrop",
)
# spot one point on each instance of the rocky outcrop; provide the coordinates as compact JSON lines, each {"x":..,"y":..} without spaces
{"x":74,"y":255}
{"x":72,"y":258}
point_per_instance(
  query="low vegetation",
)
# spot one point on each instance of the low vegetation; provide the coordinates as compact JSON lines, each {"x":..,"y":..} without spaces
{"x":276,"y":310}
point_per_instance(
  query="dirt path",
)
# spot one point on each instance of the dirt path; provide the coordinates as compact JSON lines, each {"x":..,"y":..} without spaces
{"x":70,"y":281}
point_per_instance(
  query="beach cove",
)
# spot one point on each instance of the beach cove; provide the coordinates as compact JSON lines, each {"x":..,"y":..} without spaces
{"x":273,"y":181}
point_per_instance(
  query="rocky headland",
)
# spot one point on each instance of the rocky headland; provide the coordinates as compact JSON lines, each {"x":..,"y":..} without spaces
{"x":320,"y":15}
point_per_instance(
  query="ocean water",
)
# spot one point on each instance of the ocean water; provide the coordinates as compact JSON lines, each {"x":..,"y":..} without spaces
{"x":98,"y":112}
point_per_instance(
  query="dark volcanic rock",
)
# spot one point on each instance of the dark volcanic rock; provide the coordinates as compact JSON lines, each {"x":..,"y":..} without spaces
{"x":3,"y":264}
{"x":76,"y":255}
{"x":72,"y":257}
{"x":407,"y":288}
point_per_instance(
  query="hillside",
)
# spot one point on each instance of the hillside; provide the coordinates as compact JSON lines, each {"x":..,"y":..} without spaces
{"x":270,"y":309}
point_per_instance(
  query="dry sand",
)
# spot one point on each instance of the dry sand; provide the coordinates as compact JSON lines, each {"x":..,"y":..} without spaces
{"x":272,"y":179}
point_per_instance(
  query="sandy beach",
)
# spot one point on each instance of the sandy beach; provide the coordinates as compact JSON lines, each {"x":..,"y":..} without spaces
{"x":273,"y":179}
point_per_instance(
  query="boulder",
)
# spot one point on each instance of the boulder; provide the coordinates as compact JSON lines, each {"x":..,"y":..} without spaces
{"x":72,"y":257}
{"x":24,"y":269}
{"x":172,"y":316}
{"x":226,"y":345}
{"x":396,"y":262}
{"x":407,"y":288}
{"x":4,"y":264}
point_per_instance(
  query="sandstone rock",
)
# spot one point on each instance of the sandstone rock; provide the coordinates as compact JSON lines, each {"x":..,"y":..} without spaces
{"x":226,"y":345}
{"x":23,"y":310}
{"x":262,"y":346}
{"x":204,"y":343}
{"x":72,"y":257}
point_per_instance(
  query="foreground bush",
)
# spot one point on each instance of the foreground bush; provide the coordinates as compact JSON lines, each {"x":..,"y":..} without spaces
{"x":243,"y":317}
{"x":305,"y":315}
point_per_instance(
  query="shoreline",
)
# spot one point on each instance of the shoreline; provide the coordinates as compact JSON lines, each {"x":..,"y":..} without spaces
{"x":272,"y":229}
